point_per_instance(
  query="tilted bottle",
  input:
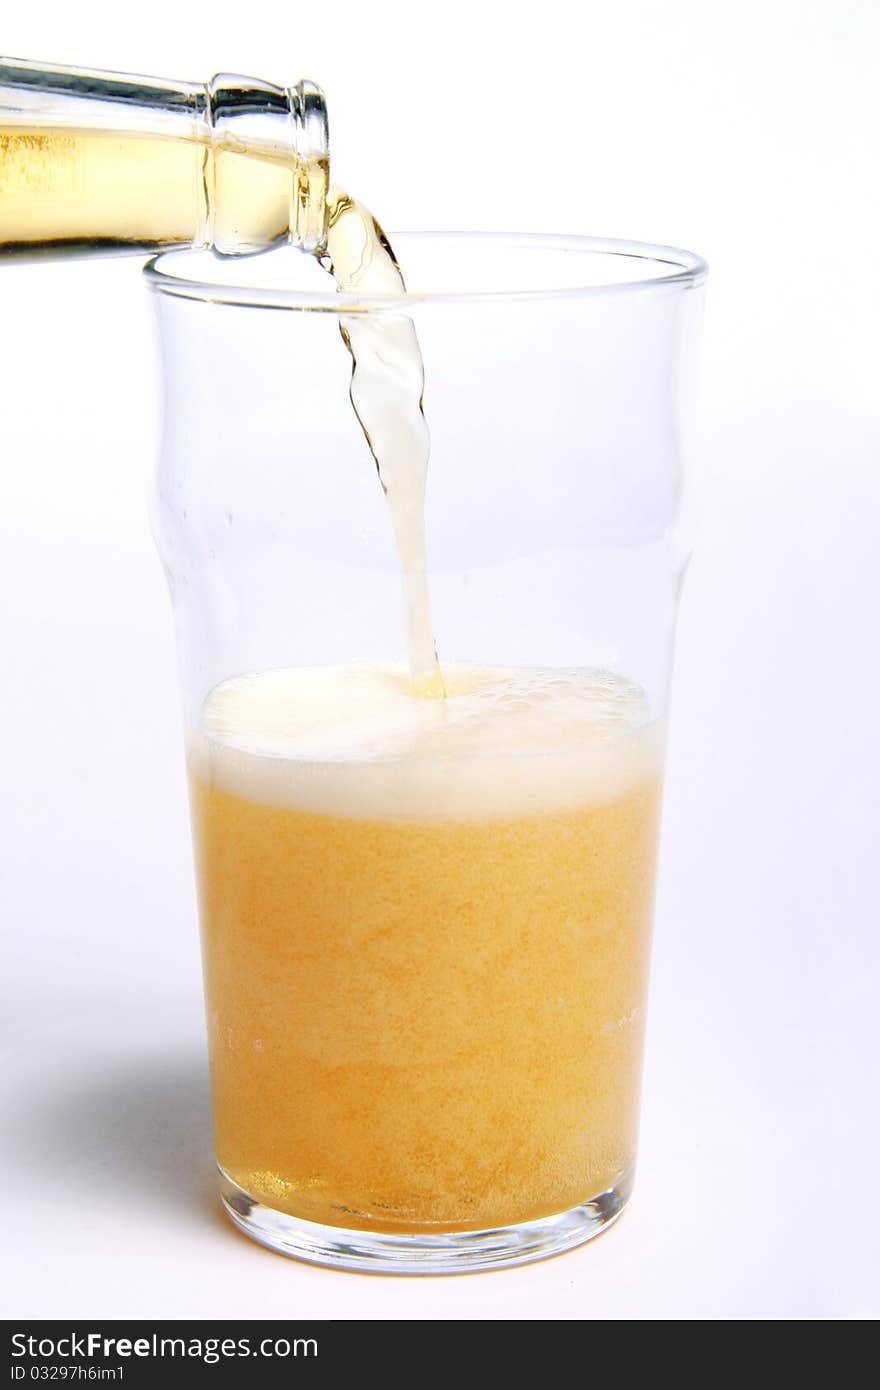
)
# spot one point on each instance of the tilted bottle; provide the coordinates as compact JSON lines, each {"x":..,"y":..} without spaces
{"x":92,"y":162}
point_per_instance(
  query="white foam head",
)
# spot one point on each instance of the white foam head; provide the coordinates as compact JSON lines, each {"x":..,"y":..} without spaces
{"x":352,"y":741}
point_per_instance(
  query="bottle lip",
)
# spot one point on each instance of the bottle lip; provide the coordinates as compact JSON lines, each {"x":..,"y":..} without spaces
{"x":308,"y":106}
{"x":309,"y":207}
{"x":501,"y":267}
{"x":285,"y":124}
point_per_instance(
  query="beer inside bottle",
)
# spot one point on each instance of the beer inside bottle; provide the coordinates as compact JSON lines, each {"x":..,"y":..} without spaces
{"x":94,"y":162}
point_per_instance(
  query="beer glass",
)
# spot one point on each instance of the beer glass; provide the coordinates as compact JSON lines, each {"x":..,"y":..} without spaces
{"x":426,"y":923}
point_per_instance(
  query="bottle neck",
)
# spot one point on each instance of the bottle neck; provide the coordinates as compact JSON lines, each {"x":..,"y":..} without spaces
{"x":264,"y":172}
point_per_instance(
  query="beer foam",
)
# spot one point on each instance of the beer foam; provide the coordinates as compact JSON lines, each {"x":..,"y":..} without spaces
{"x":352,"y":741}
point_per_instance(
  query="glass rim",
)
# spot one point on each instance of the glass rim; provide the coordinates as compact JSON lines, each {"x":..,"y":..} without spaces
{"x":680,"y":269}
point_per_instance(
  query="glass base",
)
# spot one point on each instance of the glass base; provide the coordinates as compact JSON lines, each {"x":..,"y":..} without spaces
{"x":452,"y":1252}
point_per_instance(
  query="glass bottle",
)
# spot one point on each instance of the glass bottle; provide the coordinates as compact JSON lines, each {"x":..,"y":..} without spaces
{"x":95,"y":162}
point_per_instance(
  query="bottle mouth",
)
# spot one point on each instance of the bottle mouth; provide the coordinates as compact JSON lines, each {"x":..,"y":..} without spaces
{"x":310,"y":191}
{"x":287,"y":125}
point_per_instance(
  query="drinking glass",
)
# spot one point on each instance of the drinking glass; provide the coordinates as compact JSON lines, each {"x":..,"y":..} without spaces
{"x":426,"y":955}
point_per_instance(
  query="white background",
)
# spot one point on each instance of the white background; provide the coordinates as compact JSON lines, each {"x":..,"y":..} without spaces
{"x":747,"y":132}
